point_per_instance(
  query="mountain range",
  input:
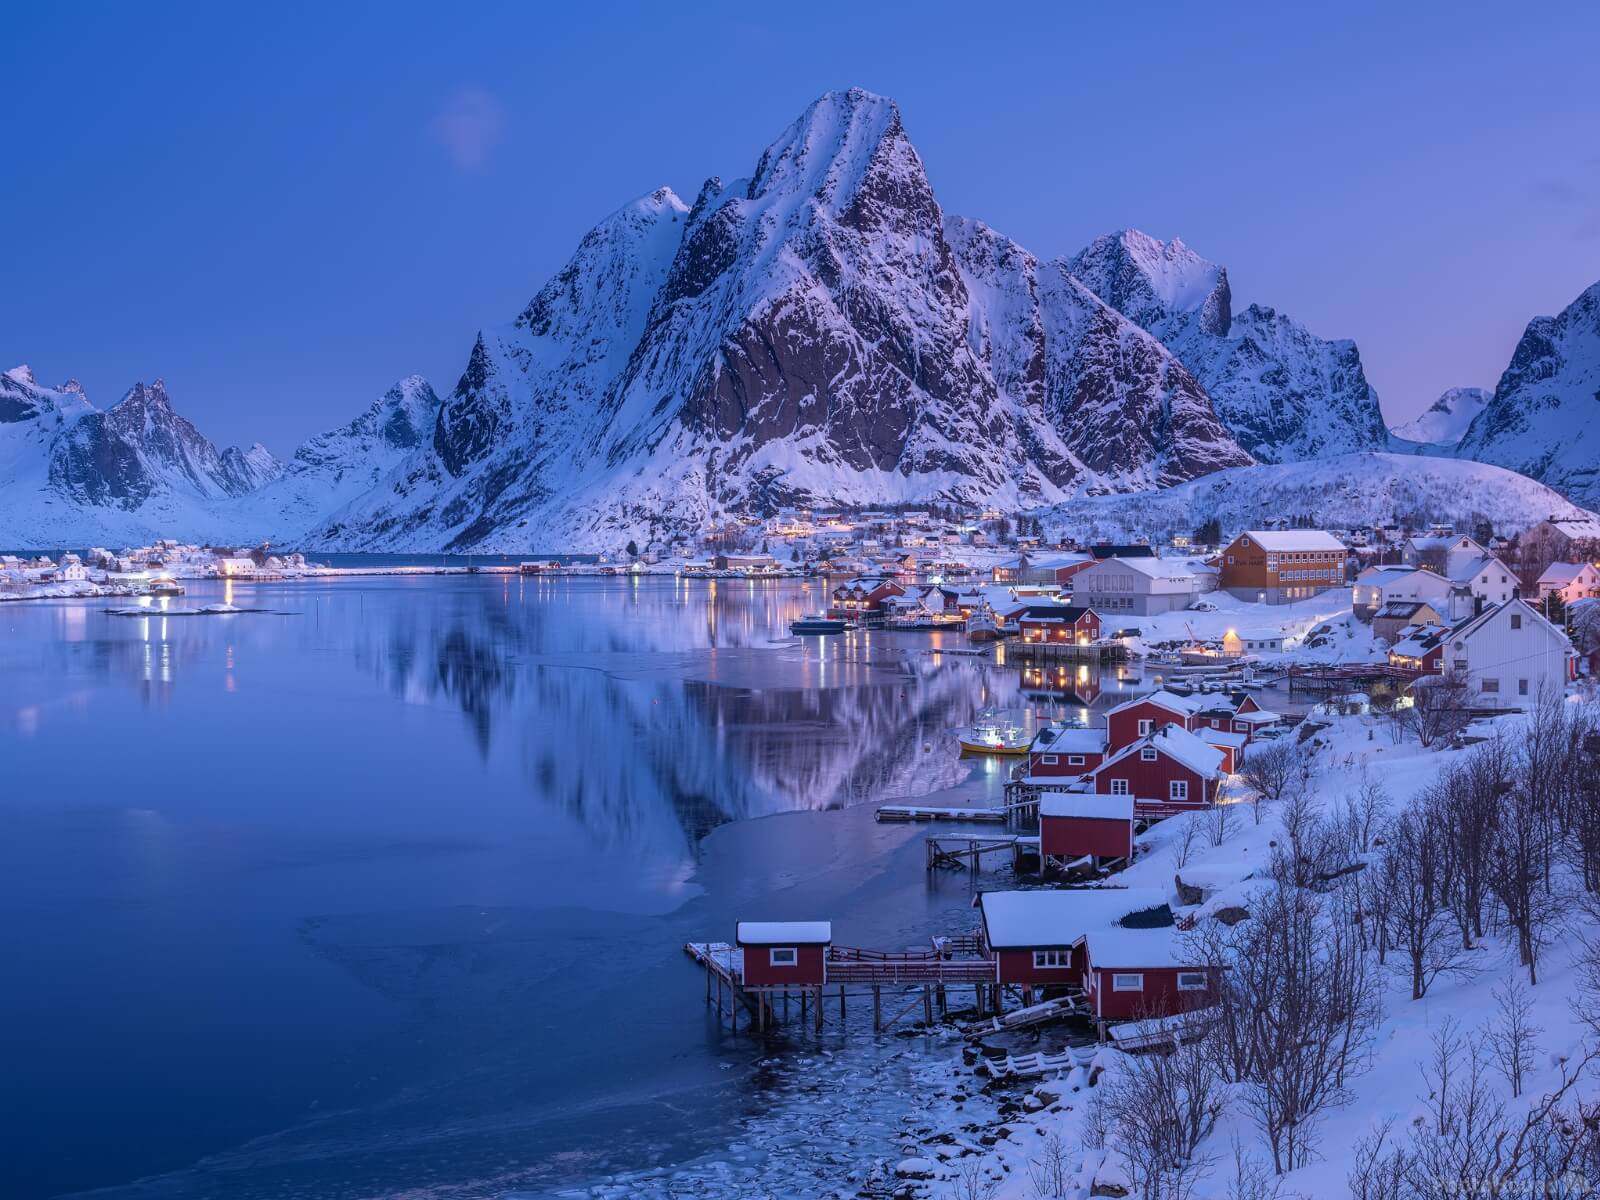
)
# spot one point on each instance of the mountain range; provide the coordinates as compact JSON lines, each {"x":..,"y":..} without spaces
{"x":816,"y":331}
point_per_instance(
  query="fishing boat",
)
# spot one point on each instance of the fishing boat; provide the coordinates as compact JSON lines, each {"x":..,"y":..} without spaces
{"x":988,"y":735}
{"x":165,"y":585}
{"x":982,"y":629}
{"x":818,"y":624}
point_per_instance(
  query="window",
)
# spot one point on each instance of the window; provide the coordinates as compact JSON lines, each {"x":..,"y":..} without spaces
{"x":1230,"y":560}
{"x":783,"y":956}
{"x":1053,"y":959}
{"x":1049,"y":760}
{"x":1191,"y":981}
{"x":1522,"y":687}
{"x":1074,"y":760}
{"x":1127,"y":983}
{"x":1516,"y":620}
{"x":1491,"y":685}
{"x":1144,"y":728}
{"x":1178,"y":790}
{"x":1148,"y":754}
{"x":1119,"y":787}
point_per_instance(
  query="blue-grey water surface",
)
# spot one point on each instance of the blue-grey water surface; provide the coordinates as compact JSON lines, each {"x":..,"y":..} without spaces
{"x":384,"y":892}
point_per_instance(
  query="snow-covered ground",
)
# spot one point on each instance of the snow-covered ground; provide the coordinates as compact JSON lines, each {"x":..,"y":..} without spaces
{"x":1349,"y":752}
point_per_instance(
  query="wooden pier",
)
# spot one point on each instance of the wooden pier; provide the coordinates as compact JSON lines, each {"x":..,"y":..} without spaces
{"x":950,"y":961}
{"x":966,"y":853}
{"x":1095,"y":652}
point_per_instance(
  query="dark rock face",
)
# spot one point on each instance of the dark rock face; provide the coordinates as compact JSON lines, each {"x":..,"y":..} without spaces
{"x":1282,"y":392}
{"x":474,"y":415}
{"x":140,"y":446}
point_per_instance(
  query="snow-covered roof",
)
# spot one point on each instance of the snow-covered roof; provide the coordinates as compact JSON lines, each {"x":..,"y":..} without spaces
{"x":1221,"y":737}
{"x":1130,"y":949}
{"x":1401,"y":610}
{"x":1577,"y":528}
{"x":1261,"y":716}
{"x":1281,"y":540}
{"x":1059,"y":917}
{"x":1160,"y":568}
{"x":1171,"y":701}
{"x":784,"y":933}
{"x":1559,"y":574}
{"x":1086,"y":804}
{"x":1055,"y":740}
{"x":1182,"y":746}
{"x":1378,"y":576}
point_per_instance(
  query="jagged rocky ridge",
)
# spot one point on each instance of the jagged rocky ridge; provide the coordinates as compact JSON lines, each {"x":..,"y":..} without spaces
{"x":1446,"y":420}
{"x":817,"y":332}
{"x":820,"y":331}
{"x":1544,"y":417}
{"x":1284,"y":393}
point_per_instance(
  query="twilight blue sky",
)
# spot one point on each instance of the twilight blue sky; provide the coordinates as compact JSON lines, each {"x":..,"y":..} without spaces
{"x":281,"y":209}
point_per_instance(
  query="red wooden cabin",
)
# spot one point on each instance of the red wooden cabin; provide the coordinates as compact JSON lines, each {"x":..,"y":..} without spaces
{"x":1230,"y":743}
{"x":1131,"y":974}
{"x":1031,"y":934}
{"x":1134,"y":719}
{"x":1073,"y":824}
{"x":778,"y":953}
{"x":1065,"y":753}
{"x":1168,"y":770}
{"x":1234,"y":712}
{"x":863,"y":597}
{"x":1058,"y":623}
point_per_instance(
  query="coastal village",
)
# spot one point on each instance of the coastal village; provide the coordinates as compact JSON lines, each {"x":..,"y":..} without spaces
{"x":1300,"y":699}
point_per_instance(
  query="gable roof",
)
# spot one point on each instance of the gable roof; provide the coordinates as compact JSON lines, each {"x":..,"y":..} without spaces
{"x":1130,"y":949}
{"x":1070,"y":613}
{"x":785,"y":933}
{"x":1183,"y":706}
{"x":1561,"y":573}
{"x":1059,"y":917}
{"x":1483,"y":562}
{"x":1089,"y":805}
{"x":1474,"y":625}
{"x":1181,"y":746}
{"x":1402,"y":610}
{"x":1294,"y":539}
{"x":1124,"y":550}
{"x":1071,"y":740}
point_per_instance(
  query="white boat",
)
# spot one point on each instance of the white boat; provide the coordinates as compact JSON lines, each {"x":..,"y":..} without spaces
{"x":989,"y":735}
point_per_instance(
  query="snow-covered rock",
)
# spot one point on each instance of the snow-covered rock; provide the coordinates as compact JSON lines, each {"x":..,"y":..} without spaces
{"x":1544,"y":417}
{"x":1348,"y":490}
{"x":1284,"y":393}
{"x":1445,"y":421}
{"x":816,"y":332}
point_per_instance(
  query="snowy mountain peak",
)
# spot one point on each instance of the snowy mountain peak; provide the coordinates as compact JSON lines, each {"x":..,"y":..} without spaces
{"x":1150,"y":281}
{"x":1544,"y":416}
{"x":1446,"y":420}
{"x":23,"y":374}
{"x":842,"y":148}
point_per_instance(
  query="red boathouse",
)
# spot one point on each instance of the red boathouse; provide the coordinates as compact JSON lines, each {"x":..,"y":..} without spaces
{"x":785,"y":953}
{"x":1132,"y":974}
{"x":1031,"y":934}
{"x":1170,"y":769}
{"x":1075,"y":824}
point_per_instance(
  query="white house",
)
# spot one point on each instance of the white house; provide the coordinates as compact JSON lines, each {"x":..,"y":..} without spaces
{"x":73,"y":572}
{"x":1509,"y":655}
{"x":1141,"y":585}
{"x":234,"y":568}
{"x":1448,"y":554}
{"x":1570,"y":581}
{"x":1491,"y":581}
{"x":1377,"y":586}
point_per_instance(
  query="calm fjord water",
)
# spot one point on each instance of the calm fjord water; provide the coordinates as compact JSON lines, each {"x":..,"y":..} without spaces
{"x":386,"y":890}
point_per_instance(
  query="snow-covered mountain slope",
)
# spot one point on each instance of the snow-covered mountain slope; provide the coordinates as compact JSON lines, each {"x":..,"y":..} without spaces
{"x":1284,"y":393}
{"x":817,"y":332}
{"x":70,"y":471}
{"x":1350,"y":489}
{"x":1544,"y":416}
{"x":1445,"y":421}
{"x":330,"y":470}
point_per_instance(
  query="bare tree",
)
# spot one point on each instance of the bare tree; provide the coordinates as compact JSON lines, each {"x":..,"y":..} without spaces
{"x":1413,"y":876}
{"x":973,"y":1180}
{"x":1162,"y":1106}
{"x":1188,"y":839}
{"x":1296,"y":1010}
{"x":1517,"y":872}
{"x":1251,"y":1178}
{"x":1513,"y":1033}
{"x":1439,"y":708}
{"x":1269,"y":772}
{"x":1469,"y":797}
{"x":1365,"y":812}
{"x":1219,"y":822}
{"x":1052,"y":1175}
{"x":1378,"y":1168}
{"x":1471,"y":1146}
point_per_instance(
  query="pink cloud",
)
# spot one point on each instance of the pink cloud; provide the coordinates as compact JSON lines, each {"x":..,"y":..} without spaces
{"x":468,"y":127}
